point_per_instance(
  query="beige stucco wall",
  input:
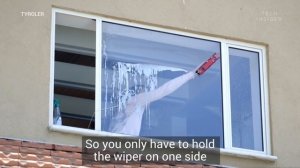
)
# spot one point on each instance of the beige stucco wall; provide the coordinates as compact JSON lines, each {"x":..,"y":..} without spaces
{"x":25,"y":59}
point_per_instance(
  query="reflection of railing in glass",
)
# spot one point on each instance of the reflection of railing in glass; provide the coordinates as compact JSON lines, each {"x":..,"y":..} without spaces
{"x":132,"y":106}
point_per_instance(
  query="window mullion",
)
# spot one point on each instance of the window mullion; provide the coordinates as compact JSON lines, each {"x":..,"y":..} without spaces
{"x":52,"y":60}
{"x":98,"y":74}
{"x":264,"y":102}
{"x":226,"y":96}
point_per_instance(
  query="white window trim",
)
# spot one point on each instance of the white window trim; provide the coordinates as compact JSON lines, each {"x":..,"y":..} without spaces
{"x":225,"y":44}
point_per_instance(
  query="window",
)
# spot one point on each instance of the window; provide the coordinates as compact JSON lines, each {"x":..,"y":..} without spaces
{"x":74,"y":74}
{"x":245,"y":99}
{"x":136,"y":60}
{"x":114,"y":78}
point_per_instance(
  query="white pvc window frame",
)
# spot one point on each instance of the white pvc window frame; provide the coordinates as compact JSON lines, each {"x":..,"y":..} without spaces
{"x":225,"y":45}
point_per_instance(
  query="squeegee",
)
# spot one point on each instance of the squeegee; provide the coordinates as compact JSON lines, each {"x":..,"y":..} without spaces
{"x":207,"y":64}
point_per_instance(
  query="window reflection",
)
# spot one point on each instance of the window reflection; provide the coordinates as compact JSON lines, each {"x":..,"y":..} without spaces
{"x":138,"y":60}
{"x":245,"y":99}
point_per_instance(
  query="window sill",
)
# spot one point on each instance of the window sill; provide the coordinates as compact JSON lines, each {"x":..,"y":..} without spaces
{"x":87,"y":132}
{"x":80,"y":131}
{"x":243,"y":154}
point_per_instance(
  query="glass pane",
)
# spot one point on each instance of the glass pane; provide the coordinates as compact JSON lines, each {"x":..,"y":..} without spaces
{"x":245,"y":99}
{"x":137,"y":61}
{"x":74,"y":78}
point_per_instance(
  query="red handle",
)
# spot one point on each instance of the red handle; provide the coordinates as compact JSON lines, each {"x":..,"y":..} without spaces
{"x":210,"y":61}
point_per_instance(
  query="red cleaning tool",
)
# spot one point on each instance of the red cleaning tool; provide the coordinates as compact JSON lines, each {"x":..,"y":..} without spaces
{"x":210,"y":61}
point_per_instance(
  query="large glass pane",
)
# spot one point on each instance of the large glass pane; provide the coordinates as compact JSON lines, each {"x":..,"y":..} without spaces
{"x":74,"y":78}
{"x":138,"y":61}
{"x":245,"y":99}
